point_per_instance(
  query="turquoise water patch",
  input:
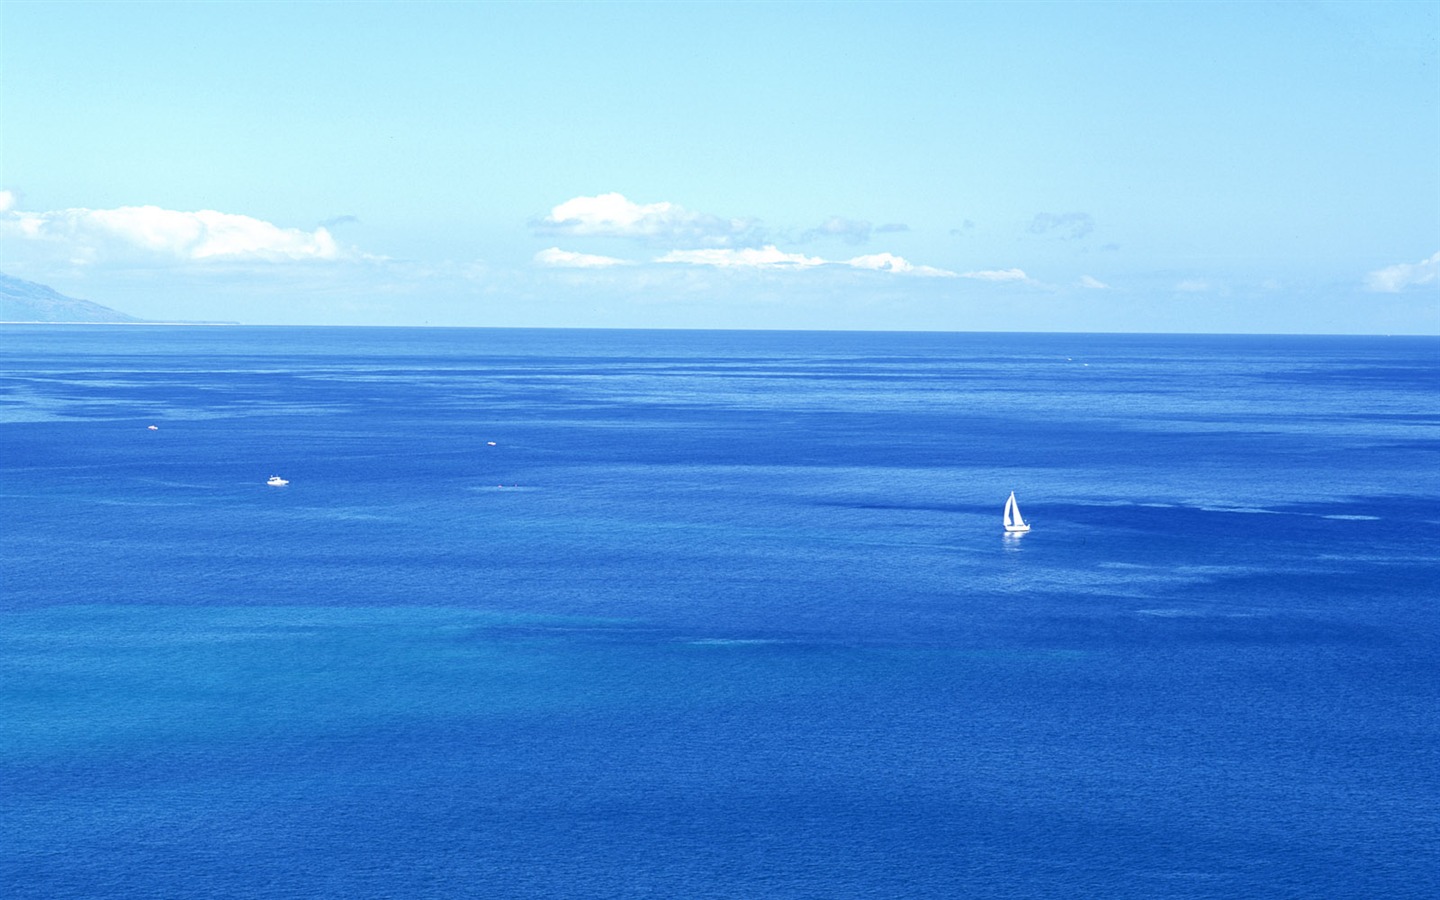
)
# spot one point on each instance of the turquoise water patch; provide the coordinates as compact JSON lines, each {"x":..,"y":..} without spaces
{"x":98,"y":678}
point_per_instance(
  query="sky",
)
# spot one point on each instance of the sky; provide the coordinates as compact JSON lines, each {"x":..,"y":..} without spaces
{"x":1150,"y":167}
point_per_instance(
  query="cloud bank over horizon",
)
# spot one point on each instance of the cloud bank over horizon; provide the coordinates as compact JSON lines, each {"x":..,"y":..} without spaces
{"x":672,"y":248}
{"x":126,"y":234}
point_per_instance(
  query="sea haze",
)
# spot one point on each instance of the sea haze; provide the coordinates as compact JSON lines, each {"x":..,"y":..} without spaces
{"x":717,"y":614}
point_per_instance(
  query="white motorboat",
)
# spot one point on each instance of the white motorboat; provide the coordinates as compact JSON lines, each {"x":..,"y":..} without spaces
{"x":277,"y":481}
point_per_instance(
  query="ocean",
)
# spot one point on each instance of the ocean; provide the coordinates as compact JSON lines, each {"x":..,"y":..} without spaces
{"x":548,"y":613}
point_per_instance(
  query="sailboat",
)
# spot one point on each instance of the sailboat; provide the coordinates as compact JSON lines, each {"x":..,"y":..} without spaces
{"x":1013,"y":523}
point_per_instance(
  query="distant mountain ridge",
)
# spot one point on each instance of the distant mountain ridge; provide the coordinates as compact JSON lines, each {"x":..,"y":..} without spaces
{"x":26,"y":301}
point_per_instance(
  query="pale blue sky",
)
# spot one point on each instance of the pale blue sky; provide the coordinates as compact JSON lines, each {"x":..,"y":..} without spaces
{"x":1096,"y":167}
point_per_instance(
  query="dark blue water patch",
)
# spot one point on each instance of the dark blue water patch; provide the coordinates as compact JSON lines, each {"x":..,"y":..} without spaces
{"x":1172,"y":627}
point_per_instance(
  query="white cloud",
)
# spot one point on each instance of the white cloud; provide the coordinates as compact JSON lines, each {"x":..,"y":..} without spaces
{"x":556,"y":258}
{"x":613,"y":215}
{"x":767,"y":257}
{"x":7,"y":201}
{"x":882,"y":262}
{"x":1096,"y":284}
{"x":149,"y":232}
{"x":997,"y":275}
{"x":718,"y":243}
{"x":771,"y":257}
{"x":889,"y":262}
{"x":1396,"y":278}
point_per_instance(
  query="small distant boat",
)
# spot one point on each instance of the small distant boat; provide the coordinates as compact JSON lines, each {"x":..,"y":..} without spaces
{"x":153,"y":427}
{"x":277,"y":481}
{"x":1013,"y":523}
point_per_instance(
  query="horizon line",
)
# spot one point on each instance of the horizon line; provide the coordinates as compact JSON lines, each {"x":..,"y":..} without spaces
{"x":204,"y":324}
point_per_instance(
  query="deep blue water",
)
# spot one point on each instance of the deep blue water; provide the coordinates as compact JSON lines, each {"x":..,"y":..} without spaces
{"x":719,"y":614}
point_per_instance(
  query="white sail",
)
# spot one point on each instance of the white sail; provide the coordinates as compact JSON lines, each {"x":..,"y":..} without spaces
{"x":1013,"y":521}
